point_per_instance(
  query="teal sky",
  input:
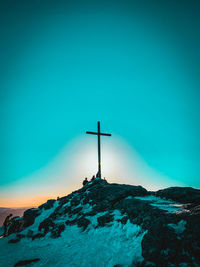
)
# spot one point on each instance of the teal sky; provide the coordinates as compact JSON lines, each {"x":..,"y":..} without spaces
{"x":133,"y":65}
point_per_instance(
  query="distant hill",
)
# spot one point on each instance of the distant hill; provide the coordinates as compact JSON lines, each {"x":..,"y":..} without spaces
{"x":112,"y":225}
{"x":6,"y":211}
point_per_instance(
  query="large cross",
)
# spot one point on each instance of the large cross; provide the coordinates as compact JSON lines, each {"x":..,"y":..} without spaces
{"x":99,"y":145}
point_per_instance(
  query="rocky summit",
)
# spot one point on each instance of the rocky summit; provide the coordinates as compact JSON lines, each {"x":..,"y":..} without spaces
{"x":105,"y":224}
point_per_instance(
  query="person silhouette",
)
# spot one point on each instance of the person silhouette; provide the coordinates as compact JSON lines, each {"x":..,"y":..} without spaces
{"x":85,"y":181}
{"x":6,"y":223}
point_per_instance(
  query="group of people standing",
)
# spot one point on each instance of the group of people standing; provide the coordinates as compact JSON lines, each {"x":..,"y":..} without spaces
{"x":85,"y":181}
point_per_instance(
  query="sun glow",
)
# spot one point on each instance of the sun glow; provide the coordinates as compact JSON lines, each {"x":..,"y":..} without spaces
{"x":120,"y":164}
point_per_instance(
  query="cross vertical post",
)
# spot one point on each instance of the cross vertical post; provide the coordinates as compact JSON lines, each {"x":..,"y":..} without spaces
{"x":98,"y":133}
{"x":99,"y":150}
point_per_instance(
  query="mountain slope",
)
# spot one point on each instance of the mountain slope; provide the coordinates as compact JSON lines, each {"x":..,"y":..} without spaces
{"x":105,"y":224}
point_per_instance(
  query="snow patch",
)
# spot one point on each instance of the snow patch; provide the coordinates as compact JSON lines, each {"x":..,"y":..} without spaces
{"x":67,"y":204}
{"x":103,"y":246}
{"x":163,"y":204}
{"x":117,"y":215}
{"x":129,"y":197}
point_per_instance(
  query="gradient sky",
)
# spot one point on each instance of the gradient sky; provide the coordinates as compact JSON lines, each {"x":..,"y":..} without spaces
{"x":133,"y":65}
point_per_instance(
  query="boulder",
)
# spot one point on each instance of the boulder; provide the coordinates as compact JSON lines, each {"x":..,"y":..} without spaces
{"x":70,"y":222}
{"x":141,"y":212}
{"x":160,"y":245}
{"x":16,"y":225}
{"x":46,"y":225}
{"x":103,"y":220}
{"x":48,"y":205}
{"x":83,"y":223}
{"x":58,"y":229}
{"x":113,"y":193}
{"x":38,"y":235}
{"x":30,"y":215}
{"x":180,"y":194}
{"x":168,"y":244}
{"x":76,"y":210}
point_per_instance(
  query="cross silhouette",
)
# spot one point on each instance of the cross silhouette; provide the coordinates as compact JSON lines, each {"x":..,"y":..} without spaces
{"x":98,"y":133}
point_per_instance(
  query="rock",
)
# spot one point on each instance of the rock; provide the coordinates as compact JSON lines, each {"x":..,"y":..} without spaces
{"x":77,"y":210}
{"x":75,"y":201}
{"x":46,"y":225}
{"x":180,"y":194}
{"x":38,"y":235}
{"x":59,"y":211}
{"x":160,"y":245}
{"x":165,"y":247}
{"x":104,"y":205}
{"x":103,"y":220}
{"x":140,"y":212}
{"x":25,"y":262}
{"x":16,"y":225}
{"x":64,"y":200}
{"x":56,"y":232}
{"x":83,"y":223}
{"x":124,"y":220}
{"x":30,"y":215}
{"x":48,"y":205}
{"x":113,"y":193}
{"x":72,"y":222}
{"x":86,"y":200}
{"x":49,"y":226}
{"x":195,"y":210}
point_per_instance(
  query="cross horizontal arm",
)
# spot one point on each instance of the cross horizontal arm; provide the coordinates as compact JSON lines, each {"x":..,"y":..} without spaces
{"x":105,"y":134}
{"x":91,"y":133}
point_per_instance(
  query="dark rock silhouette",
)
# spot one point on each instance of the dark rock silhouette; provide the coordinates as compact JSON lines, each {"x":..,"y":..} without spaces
{"x":171,"y":238}
{"x":180,"y":194}
{"x":30,"y":215}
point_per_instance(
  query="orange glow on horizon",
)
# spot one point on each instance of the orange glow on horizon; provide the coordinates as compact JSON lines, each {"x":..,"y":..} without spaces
{"x":27,"y":202}
{"x":32,"y":201}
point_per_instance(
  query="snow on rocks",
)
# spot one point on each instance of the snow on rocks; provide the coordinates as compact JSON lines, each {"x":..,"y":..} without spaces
{"x":105,"y":224}
{"x":163,"y":204}
{"x":104,"y":246}
{"x":45,"y":213}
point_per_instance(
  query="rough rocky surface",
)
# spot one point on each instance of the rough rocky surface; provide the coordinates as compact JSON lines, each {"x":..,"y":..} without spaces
{"x":180,"y":194}
{"x":171,"y":239}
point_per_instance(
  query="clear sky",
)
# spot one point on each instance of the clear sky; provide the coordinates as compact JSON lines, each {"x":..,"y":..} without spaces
{"x":133,"y":65}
